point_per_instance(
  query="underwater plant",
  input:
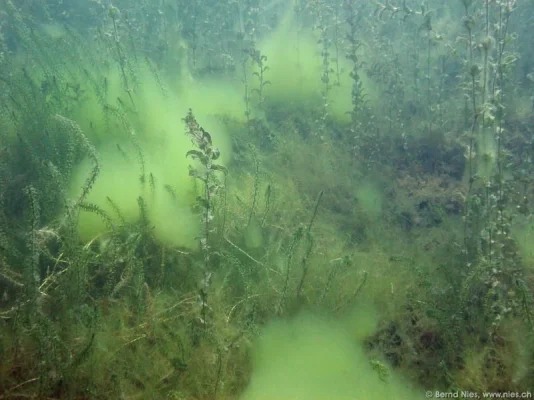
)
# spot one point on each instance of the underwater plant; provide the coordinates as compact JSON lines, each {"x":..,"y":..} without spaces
{"x":206,"y":154}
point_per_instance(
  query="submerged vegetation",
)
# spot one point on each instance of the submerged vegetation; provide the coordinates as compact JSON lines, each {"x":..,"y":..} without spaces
{"x":265,"y":199}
